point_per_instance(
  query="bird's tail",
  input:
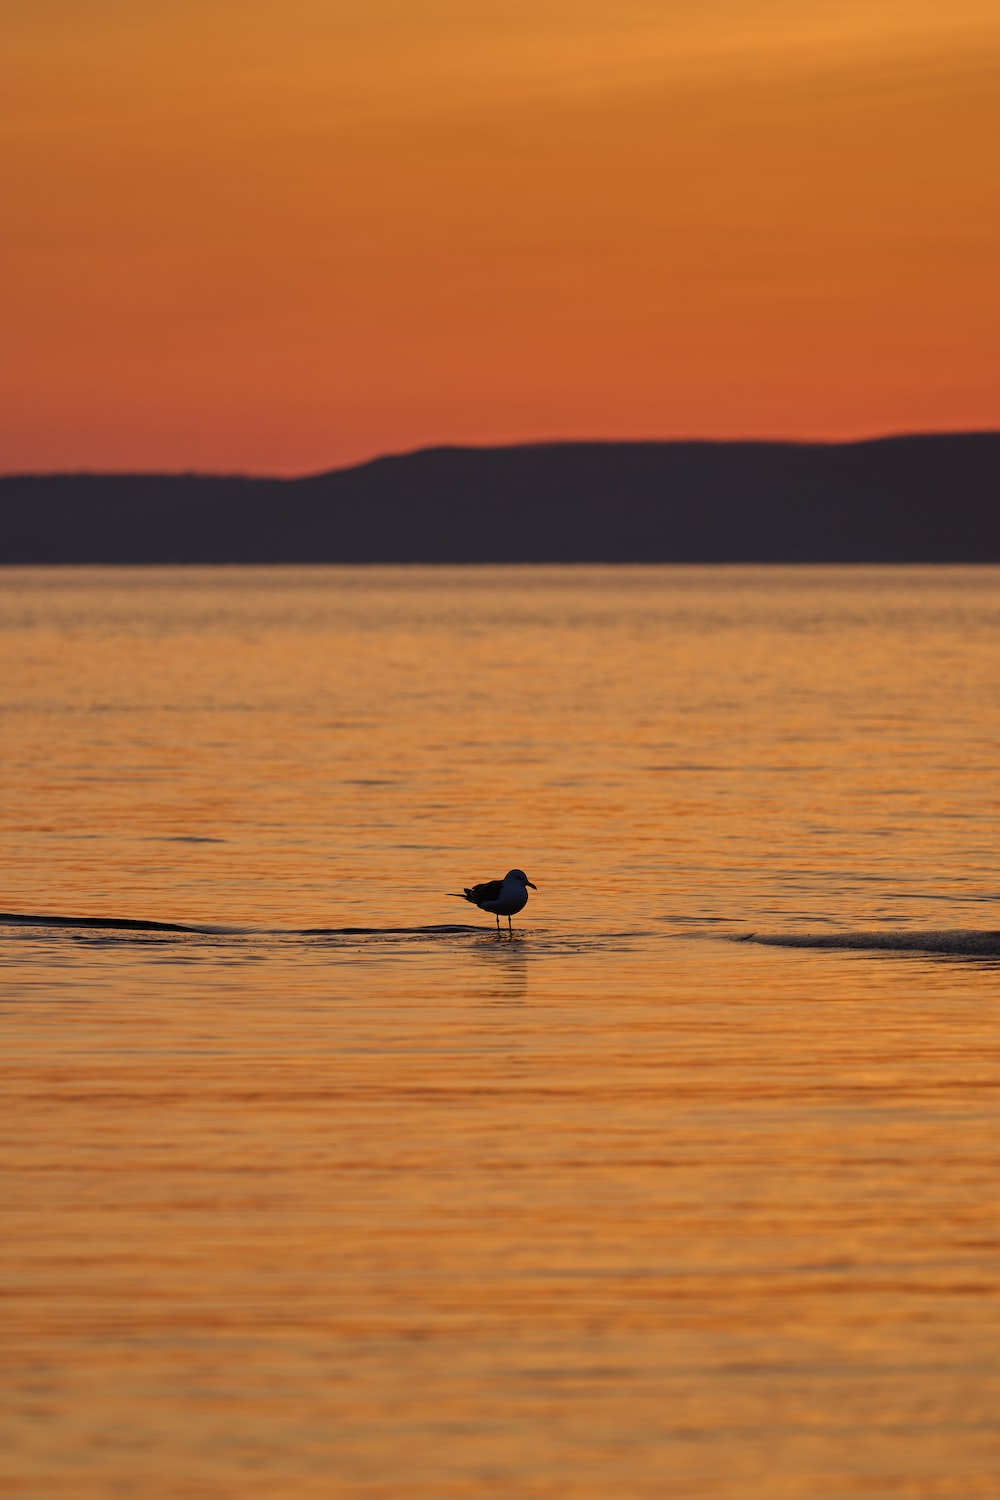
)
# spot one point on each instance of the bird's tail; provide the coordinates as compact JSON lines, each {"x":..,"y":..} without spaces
{"x":462,"y":895}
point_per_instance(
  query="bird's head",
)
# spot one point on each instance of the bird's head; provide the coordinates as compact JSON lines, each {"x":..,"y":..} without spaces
{"x":520,"y":876}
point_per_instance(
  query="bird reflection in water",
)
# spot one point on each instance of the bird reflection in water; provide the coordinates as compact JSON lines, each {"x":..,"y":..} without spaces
{"x":508,"y":972}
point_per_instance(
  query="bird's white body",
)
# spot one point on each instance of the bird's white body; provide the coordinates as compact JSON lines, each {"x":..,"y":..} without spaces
{"x":504,"y":898}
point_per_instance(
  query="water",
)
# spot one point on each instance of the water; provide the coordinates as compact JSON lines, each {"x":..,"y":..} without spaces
{"x":624,"y":1204}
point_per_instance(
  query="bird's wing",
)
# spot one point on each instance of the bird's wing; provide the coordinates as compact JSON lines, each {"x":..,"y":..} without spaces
{"x":488,"y":891}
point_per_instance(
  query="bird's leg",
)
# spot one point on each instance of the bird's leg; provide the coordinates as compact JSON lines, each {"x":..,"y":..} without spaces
{"x":497,"y":915}
{"x":509,"y":927}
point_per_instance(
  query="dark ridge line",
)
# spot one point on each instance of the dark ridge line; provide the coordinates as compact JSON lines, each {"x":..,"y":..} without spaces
{"x":539,"y":446}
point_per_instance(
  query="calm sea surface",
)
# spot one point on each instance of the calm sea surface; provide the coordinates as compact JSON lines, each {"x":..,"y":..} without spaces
{"x":616,"y":1206}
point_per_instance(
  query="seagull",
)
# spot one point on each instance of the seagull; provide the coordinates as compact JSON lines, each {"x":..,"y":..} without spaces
{"x":501,"y":897}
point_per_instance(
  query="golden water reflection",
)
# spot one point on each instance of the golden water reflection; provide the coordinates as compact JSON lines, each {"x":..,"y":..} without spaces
{"x":618,"y":1206}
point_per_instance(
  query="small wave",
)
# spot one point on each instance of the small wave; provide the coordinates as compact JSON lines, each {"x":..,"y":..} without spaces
{"x":119,"y":924}
{"x":104,"y":931}
{"x":140,"y":924}
{"x":431,"y":931}
{"x":958,"y":941}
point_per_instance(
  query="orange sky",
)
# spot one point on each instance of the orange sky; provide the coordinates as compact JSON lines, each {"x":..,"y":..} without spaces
{"x":276,"y":238}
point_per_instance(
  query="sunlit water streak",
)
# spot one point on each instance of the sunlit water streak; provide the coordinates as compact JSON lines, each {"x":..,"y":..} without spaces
{"x":686,"y":1188}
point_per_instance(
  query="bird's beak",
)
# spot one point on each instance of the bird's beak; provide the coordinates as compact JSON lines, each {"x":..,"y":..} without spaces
{"x":532,"y":884}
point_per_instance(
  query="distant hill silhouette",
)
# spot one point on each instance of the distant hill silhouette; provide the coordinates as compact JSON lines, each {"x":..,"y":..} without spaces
{"x":932,"y":498}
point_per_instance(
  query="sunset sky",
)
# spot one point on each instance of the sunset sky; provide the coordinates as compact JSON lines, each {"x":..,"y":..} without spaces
{"x":240,"y":235}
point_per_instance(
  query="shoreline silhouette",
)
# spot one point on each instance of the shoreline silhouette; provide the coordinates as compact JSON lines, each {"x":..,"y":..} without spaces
{"x":926,"y":498}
